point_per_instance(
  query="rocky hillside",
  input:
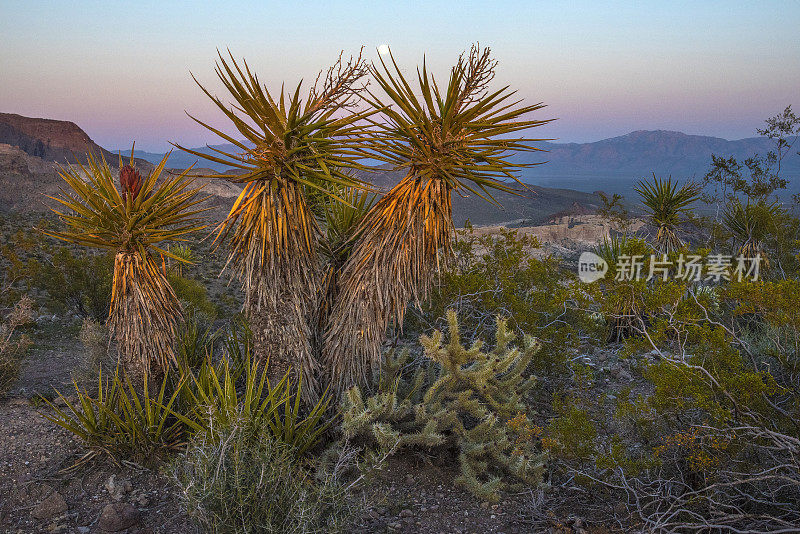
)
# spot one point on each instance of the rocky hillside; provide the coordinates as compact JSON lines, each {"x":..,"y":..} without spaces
{"x":48,"y":139}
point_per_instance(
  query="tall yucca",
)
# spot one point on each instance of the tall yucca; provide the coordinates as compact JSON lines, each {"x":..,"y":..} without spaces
{"x":132,"y":221}
{"x":665,"y":203}
{"x":455,"y":140}
{"x":294,"y":148}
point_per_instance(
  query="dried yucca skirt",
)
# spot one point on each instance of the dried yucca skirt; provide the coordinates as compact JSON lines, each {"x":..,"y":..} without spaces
{"x":144,"y":314}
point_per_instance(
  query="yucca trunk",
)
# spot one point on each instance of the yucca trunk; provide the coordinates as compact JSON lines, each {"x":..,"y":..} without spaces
{"x":667,"y":240}
{"x":144,"y":314}
{"x":392,"y":263}
{"x":276,"y":263}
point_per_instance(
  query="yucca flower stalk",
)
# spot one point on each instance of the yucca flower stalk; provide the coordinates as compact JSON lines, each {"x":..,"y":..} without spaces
{"x":665,"y":203}
{"x":133,"y":221}
{"x":457,"y":140}
{"x":297,"y":147}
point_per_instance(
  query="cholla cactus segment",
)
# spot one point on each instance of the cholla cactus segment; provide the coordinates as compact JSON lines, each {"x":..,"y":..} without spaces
{"x":464,"y":405}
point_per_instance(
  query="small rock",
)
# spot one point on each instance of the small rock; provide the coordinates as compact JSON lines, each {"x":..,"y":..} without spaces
{"x":406,"y":513}
{"x":397,"y":525}
{"x":117,"y":489}
{"x":485,"y":505}
{"x":53,"y":506}
{"x":118,"y":516}
{"x":83,"y":530}
{"x":409,"y":479}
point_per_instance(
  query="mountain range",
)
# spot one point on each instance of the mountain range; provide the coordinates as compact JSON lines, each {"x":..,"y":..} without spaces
{"x":613,"y":165}
{"x":31,"y":150}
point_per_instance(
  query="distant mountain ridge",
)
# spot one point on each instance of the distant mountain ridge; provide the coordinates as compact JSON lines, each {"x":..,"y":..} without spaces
{"x":52,"y":140}
{"x":615,"y":163}
{"x":48,"y":139}
{"x":620,"y":161}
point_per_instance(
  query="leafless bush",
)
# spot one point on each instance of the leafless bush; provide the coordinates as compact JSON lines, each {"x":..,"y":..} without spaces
{"x":12,"y":347}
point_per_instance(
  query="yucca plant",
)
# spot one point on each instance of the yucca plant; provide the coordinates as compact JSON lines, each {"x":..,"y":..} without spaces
{"x":120,"y":420}
{"x":622,"y":306}
{"x":133,"y":221}
{"x":186,"y":255}
{"x":340,"y":225}
{"x":294,"y":147}
{"x":456,"y":140}
{"x":751,"y":224}
{"x":665,"y":203}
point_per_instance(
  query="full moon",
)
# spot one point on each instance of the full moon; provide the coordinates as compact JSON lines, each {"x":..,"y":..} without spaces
{"x":383,"y":49}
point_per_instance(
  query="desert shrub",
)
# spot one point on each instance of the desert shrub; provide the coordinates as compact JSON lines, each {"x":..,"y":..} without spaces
{"x":496,"y":275}
{"x":466,"y":405}
{"x":194,"y":341}
{"x":571,"y":434}
{"x":241,"y":480}
{"x":221,"y":395}
{"x":94,"y":338}
{"x":712,"y":440}
{"x":193,"y":296}
{"x":13,"y":346}
{"x":75,"y":282}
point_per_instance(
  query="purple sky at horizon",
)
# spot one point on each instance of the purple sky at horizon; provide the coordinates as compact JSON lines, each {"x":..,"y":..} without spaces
{"x":121,"y":70}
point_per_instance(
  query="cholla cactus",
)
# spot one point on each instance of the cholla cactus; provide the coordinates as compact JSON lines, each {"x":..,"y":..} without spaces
{"x":472,"y":397}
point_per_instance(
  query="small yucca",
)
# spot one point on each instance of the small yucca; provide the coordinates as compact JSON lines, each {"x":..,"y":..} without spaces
{"x":665,"y":204}
{"x":751,"y":225}
{"x":133,"y":221}
{"x":455,"y":140}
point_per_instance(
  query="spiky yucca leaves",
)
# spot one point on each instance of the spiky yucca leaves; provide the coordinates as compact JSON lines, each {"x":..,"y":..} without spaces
{"x":298,"y":146}
{"x":133,"y":221}
{"x":751,"y":225}
{"x":466,"y":406}
{"x":453,"y":141}
{"x":622,"y":305}
{"x":340,"y":226}
{"x":665,"y":203}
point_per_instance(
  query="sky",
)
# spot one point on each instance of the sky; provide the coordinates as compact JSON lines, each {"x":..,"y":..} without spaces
{"x":121,"y":70}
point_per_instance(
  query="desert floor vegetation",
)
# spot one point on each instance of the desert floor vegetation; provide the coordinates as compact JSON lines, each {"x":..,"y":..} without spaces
{"x":373,"y":368}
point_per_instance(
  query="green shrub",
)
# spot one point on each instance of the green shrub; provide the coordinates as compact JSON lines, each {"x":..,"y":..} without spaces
{"x":496,"y":275}
{"x":193,"y":295}
{"x":127,"y":420}
{"x":241,"y":480}
{"x":467,"y":407}
{"x":222,"y":395}
{"x":77,"y":282}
